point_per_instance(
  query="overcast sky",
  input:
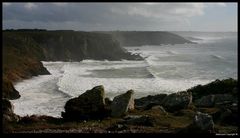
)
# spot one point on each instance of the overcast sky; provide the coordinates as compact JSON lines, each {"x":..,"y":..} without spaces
{"x":122,"y":16}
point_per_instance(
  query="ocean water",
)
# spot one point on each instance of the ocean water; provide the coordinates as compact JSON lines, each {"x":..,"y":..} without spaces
{"x":166,"y":69}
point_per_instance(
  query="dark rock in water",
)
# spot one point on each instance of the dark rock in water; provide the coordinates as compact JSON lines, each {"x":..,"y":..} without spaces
{"x":8,"y":91}
{"x":122,"y":103}
{"x":214,"y":100}
{"x":142,"y":120}
{"x":202,"y":123}
{"x":149,"y":101}
{"x":7,"y":111}
{"x":89,"y":105}
{"x":177,"y":101}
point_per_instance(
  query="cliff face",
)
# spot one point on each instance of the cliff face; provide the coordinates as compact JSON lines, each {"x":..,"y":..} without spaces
{"x":138,"y":38}
{"x":23,"y":51}
{"x":76,"y":46}
{"x":20,"y":61}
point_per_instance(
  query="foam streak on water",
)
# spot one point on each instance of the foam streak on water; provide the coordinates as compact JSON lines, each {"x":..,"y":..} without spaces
{"x":166,"y":69}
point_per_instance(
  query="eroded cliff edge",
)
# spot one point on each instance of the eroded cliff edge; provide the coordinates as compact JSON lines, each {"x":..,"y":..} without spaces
{"x":24,"y":49}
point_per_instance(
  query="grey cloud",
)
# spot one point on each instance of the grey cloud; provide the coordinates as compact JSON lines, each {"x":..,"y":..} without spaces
{"x":100,"y":16}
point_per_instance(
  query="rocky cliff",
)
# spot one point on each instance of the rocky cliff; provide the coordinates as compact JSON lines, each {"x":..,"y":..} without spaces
{"x":24,"y":49}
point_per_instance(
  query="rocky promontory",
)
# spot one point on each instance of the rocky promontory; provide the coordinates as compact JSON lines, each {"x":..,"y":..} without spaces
{"x":139,"y":38}
{"x":23,"y":51}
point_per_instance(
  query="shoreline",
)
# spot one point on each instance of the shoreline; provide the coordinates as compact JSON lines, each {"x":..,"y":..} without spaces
{"x":143,"y":106}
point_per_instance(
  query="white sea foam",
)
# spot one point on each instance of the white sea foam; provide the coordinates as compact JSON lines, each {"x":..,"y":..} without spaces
{"x":173,"y":68}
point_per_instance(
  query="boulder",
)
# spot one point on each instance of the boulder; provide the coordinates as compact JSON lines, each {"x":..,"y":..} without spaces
{"x":215,"y":100}
{"x":222,"y":99}
{"x":225,"y":86}
{"x":177,"y":101}
{"x":227,"y":115}
{"x":122,"y":103}
{"x":205,"y":101}
{"x":149,"y":101}
{"x":143,"y":120}
{"x":89,"y":105}
{"x":202,"y":123}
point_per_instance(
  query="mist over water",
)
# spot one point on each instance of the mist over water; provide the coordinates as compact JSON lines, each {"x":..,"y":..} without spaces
{"x":166,"y":69}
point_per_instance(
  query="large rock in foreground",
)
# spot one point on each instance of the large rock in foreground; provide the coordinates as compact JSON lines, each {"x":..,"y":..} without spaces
{"x":122,"y":103}
{"x":202,"y":123}
{"x":177,"y":101}
{"x":89,"y":105}
{"x":149,"y":101}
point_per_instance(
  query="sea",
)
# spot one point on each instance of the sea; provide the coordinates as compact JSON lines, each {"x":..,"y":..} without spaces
{"x":165,"y":69}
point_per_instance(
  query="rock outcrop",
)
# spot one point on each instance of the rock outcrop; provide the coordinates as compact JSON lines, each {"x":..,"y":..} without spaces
{"x":89,"y":105}
{"x":24,"y":49}
{"x":177,"y":101}
{"x":139,"y":38}
{"x":214,"y":100}
{"x":149,"y":101}
{"x":7,"y":112}
{"x":226,"y":86}
{"x":8,"y":91}
{"x":122,"y":103}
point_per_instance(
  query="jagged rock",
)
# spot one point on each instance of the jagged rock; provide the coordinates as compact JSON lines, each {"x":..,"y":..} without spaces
{"x":8,"y":91}
{"x":202,"y":123}
{"x":214,"y":100}
{"x":7,"y":111}
{"x":149,"y":101}
{"x":143,"y":120}
{"x":122,"y":103}
{"x":205,"y":101}
{"x":89,"y":105}
{"x":227,"y":86}
{"x":177,"y":101}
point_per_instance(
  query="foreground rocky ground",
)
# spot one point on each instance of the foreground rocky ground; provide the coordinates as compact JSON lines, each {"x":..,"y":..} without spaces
{"x":212,"y":108}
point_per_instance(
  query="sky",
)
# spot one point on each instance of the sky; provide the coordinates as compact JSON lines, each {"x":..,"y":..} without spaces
{"x":214,"y":17}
